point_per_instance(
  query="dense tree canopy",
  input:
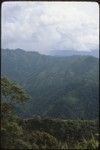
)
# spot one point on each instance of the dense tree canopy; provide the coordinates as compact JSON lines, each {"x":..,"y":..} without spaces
{"x":38,"y":133}
{"x":10,"y":129}
{"x":61,"y":88}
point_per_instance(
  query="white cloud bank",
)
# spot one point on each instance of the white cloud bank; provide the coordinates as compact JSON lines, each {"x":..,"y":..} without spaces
{"x":44,"y":26}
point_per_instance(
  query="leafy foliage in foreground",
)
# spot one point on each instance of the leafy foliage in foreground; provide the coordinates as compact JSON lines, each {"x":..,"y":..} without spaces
{"x":10,"y":129}
{"x":67,"y":132}
{"x":12,"y":93}
{"x":42,"y":133}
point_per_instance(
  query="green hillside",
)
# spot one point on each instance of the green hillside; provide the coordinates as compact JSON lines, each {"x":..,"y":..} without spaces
{"x":37,"y":133}
{"x":60,"y":87}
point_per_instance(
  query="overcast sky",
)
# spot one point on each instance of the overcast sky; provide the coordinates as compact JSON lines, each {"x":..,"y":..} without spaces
{"x":44,"y":26}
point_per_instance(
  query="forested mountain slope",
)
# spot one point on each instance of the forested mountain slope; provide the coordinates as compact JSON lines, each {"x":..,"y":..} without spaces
{"x":64,"y":87}
{"x":37,"y":133}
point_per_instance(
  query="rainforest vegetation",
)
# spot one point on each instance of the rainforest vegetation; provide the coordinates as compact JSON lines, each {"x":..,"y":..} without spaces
{"x":49,"y":102}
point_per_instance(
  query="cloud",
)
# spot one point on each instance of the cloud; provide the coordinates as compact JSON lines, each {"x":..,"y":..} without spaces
{"x":44,"y":26}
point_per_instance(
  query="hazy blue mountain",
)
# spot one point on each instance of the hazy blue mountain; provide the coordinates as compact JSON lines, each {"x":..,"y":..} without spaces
{"x":94,"y":53}
{"x":61,"y":87}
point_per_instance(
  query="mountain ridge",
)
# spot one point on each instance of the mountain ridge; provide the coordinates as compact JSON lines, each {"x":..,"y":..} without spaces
{"x":59,"y":86}
{"x":63,"y":53}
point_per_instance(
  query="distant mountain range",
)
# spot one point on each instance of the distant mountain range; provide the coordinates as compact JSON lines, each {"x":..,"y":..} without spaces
{"x":60,"y":87}
{"x":94,"y":53}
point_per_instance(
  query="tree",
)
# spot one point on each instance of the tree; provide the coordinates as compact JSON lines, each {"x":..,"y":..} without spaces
{"x":12,"y":93}
{"x":11,"y":131}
